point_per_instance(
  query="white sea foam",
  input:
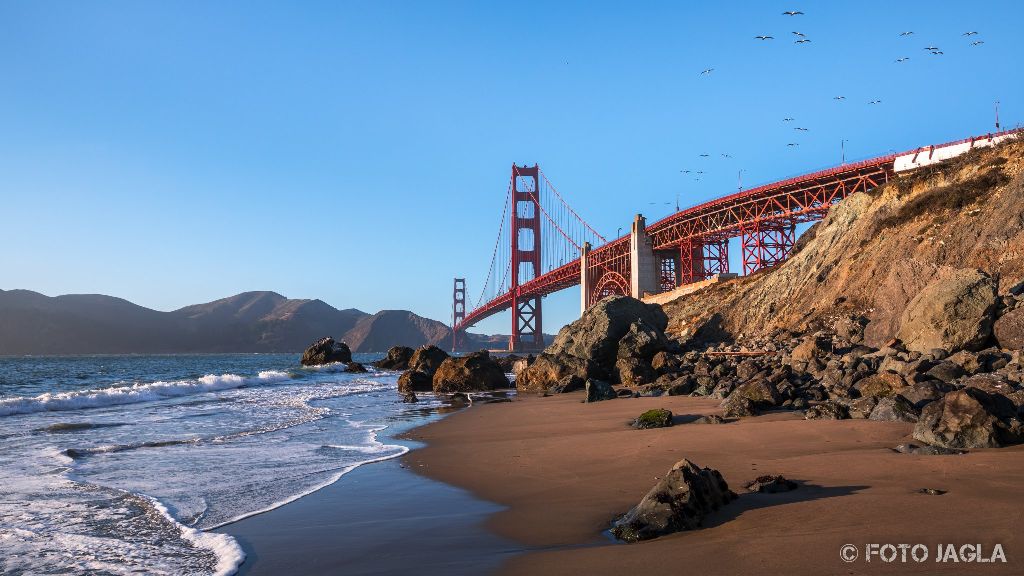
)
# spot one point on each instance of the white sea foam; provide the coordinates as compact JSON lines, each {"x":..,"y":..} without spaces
{"x":229,"y":554}
{"x":117,"y":395}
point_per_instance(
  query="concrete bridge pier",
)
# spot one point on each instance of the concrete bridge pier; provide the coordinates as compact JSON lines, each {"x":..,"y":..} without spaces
{"x":643,"y":265}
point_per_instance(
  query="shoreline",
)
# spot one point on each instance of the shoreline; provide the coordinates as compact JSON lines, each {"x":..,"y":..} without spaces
{"x":563,"y":471}
{"x":378,"y":518}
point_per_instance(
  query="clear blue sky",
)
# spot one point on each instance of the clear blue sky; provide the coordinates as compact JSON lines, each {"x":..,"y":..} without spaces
{"x":358,"y":152}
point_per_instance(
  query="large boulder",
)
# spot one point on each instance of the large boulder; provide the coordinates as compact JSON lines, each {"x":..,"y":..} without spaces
{"x":894,"y":408}
{"x":634,"y":372}
{"x":954,"y":312}
{"x":1009,"y":329}
{"x":550,"y":369}
{"x":759,"y":391}
{"x":596,"y":335}
{"x":969,"y":418}
{"x":679,"y":501}
{"x":642,"y":341}
{"x":397,"y":359}
{"x":598,"y":390}
{"x":326,"y":351}
{"x":655,"y":418}
{"x":422,"y":365}
{"x":471,"y":373}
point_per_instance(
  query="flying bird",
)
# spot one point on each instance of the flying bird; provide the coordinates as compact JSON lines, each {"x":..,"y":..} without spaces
{"x":875,"y":102}
{"x":684,"y":171}
{"x":704,"y":156}
{"x":931,"y":48}
{"x":802,"y":41}
{"x":764,"y":37}
{"x":800,"y":129}
{"x":724,"y":155}
{"x":977,"y":43}
{"x":792,"y":13}
{"x":938,"y":52}
{"x":839,"y":98}
{"x":909,"y":33}
{"x":707,"y":71}
{"x":904,"y":59}
{"x":800,"y":34}
{"x":970,"y":33}
{"x":787,"y":119}
{"x":792,"y":144}
{"x":700,"y":171}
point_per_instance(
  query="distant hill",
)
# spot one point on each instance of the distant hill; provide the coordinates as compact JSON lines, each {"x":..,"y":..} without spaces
{"x":32,"y":323}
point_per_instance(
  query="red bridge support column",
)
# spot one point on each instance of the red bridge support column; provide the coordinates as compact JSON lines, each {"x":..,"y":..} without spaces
{"x":691,"y":261}
{"x":766,"y":244}
{"x":458,"y":312}
{"x":716,"y":257}
{"x":527,"y":333}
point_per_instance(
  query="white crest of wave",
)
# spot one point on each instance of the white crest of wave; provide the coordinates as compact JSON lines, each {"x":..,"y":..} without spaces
{"x":229,"y":554}
{"x":118,"y":395}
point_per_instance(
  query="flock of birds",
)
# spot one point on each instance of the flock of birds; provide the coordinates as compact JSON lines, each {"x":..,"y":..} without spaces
{"x":802,"y":38}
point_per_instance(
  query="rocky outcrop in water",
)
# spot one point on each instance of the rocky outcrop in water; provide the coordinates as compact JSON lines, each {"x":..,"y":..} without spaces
{"x":422,"y":366}
{"x":326,"y":351}
{"x":474,"y":372}
{"x":397,"y":358}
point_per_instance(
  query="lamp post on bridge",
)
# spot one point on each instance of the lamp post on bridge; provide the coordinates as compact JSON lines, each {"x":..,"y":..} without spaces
{"x":842,"y":151}
{"x":739,"y":183}
{"x":997,"y":115}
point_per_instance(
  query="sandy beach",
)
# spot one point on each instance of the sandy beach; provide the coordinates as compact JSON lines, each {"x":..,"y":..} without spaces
{"x":564,"y":470}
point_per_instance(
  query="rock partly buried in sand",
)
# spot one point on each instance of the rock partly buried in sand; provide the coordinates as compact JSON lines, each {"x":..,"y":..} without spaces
{"x":598,"y":390}
{"x":830,"y":410}
{"x":769,"y":484}
{"x":656,"y":418}
{"x":737,"y":406}
{"x":326,"y":351}
{"x":422,"y":366}
{"x":710,"y":419}
{"x":919,"y":450}
{"x":894,"y":408}
{"x":474,"y":372}
{"x":397,"y":359}
{"x":954,"y":312}
{"x":932,"y":491}
{"x":970,"y":418}
{"x":679,"y":501}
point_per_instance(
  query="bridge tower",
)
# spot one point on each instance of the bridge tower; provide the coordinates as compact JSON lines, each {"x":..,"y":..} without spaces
{"x":458,"y":312}
{"x":527,"y":333}
{"x":766,"y":244}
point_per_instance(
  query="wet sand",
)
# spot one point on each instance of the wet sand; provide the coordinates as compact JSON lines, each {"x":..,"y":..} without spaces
{"x":565,"y":470}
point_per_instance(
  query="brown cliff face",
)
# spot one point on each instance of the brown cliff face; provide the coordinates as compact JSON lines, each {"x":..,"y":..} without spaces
{"x":876,"y":251}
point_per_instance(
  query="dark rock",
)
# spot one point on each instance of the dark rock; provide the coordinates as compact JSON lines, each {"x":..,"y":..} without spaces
{"x":355,"y":368}
{"x":820,"y":344}
{"x":969,"y":418}
{"x":919,"y":450}
{"x":681,"y":386}
{"x":397,"y":359}
{"x":326,"y":351}
{"x":634,"y":371}
{"x":894,"y":408}
{"x":946,"y":371}
{"x":850,"y":328}
{"x":666,"y":362}
{"x":991,"y":383}
{"x":411,"y":381}
{"x":710,"y":419}
{"x":760,"y":392}
{"x":830,"y":410}
{"x":771,"y":484}
{"x":738,"y":406}
{"x":747,"y":369}
{"x":861,"y":407}
{"x":626,"y":393}
{"x":679,"y":501}
{"x":1009,"y":329}
{"x":427,"y":359}
{"x":922,"y":393}
{"x":410,"y":398}
{"x":471,"y":373}
{"x":932,"y":491}
{"x":642,"y":341}
{"x":598,"y":390}
{"x":656,"y":418}
{"x":507,"y":362}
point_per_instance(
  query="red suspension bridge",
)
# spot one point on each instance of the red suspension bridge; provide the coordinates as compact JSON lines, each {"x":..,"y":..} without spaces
{"x":544,"y":246}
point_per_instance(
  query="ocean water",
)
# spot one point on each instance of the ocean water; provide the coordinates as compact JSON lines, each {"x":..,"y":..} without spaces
{"x":119,"y":464}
